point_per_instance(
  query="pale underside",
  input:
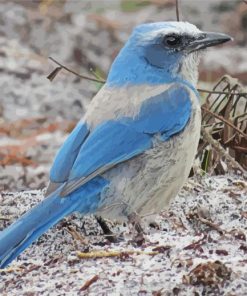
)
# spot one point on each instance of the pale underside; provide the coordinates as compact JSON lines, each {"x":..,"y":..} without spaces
{"x":147,"y":183}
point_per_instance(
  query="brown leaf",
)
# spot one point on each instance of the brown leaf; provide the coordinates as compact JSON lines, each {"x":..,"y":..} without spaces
{"x":89,"y":283}
{"x":221,"y":252}
{"x":161,"y":249}
{"x":208,"y":274}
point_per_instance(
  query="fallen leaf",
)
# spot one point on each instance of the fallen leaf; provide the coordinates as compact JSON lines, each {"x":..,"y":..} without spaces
{"x":208,"y":274}
{"x":89,"y":283}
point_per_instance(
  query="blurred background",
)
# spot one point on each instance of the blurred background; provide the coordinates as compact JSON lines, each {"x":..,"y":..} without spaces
{"x":36,"y":114}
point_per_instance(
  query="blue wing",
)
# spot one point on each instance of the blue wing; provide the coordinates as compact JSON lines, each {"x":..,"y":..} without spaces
{"x":115,"y":141}
{"x":166,"y":113}
{"x":67,"y":154}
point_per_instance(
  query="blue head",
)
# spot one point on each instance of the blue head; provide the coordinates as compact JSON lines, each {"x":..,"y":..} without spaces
{"x":162,"y":52}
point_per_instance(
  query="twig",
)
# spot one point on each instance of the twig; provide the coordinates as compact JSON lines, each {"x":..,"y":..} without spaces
{"x":103,"y":81}
{"x":4,"y":219}
{"x":221,"y":92}
{"x":210,"y":224}
{"x":76,"y":235}
{"x":11,"y":269}
{"x":225,"y":121}
{"x":73,"y":72}
{"x":197,"y":243}
{"x":103,"y":254}
{"x":177,"y":11}
{"x":32,"y":268}
{"x":216,"y":145}
{"x":239,"y":148}
{"x":89,"y":283}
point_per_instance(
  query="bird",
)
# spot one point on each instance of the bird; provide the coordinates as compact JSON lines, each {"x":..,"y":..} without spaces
{"x":133,"y":150}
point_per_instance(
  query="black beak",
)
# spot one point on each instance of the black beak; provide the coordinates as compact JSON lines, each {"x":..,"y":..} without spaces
{"x":207,"y":39}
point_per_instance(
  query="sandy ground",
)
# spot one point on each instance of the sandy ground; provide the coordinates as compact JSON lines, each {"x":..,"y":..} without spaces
{"x":198,"y":247}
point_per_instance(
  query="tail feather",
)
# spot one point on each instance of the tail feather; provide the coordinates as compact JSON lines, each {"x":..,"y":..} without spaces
{"x":30,"y":226}
{"x":18,"y":236}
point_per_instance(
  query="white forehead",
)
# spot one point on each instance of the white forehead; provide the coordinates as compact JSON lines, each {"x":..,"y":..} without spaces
{"x":182,"y":27}
{"x":149,"y":31}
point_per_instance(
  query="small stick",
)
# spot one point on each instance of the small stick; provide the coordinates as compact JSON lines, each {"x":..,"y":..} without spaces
{"x":103,"y":81}
{"x":177,"y":11}
{"x":196,"y":243}
{"x":76,"y":235}
{"x":4,"y":219}
{"x":11,"y":269}
{"x":210,"y":224}
{"x":221,"y":92}
{"x":89,"y":283}
{"x":225,"y":121}
{"x":104,"y":254}
{"x":73,"y":72}
{"x":216,"y":145}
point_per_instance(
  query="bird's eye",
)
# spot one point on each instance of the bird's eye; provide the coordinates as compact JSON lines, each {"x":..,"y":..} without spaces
{"x":172,"y":41}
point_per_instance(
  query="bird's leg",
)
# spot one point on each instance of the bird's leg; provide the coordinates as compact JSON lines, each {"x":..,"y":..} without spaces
{"x":111,"y":237}
{"x":135,"y":221}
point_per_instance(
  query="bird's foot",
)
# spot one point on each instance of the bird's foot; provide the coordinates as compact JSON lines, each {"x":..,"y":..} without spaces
{"x":110,"y":236}
{"x":135,"y":222}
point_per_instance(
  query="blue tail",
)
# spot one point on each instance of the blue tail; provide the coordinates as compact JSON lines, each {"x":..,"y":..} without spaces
{"x":18,"y":236}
